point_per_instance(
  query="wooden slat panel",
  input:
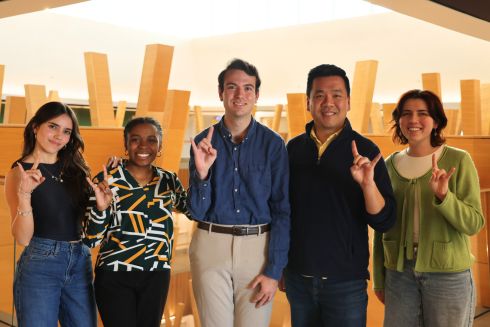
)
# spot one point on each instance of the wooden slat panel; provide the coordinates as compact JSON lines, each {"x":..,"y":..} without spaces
{"x":485,"y":108}
{"x":452,"y":121}
{"x":15,"y":110}
{"x":362,"y":94}
{"x":2,"y":74}
{"x":387,"y":111}
{"x":296,"y":114}
{"x":376,"y":119}
{"x":53,"y":96}
{"x":120,"y":113}
{"x":470,"y":107}
{"x":154,"y":79}
{"x":99,"y":90}
{"x":198,"y":119}
{"x":276,"y":122}
{"x":35,"y":98}
{"x":432,"y":82}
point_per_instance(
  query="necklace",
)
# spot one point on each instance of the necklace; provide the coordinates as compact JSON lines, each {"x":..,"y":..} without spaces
{"x":58,"y":178}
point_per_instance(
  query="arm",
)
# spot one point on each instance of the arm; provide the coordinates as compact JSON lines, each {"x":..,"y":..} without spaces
{"x":19,"y":185}
{"x":180,"y":202}
{"x":378,"y":266}
{"x":461,"y":205}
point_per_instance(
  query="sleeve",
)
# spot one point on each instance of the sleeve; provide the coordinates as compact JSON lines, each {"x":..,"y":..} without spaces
{"x":386,"y":218}
{"x":199,"y":193}
{"x":378,"y":262}
{"x":96,"y":223}
{"x":180,"y":202}
{"x":280,"y":213}
{"x":462,"y":205}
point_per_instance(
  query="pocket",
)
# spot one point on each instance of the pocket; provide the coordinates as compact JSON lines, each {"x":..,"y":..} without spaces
{"x":442,"y":255}
{"x":390,"y":249}
{"x":38,"y":251}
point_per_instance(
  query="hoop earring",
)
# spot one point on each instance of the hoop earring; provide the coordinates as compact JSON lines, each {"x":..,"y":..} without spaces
{"x":159,"y":154}
{"x":126,"y":153}
{"x":434,"y":132}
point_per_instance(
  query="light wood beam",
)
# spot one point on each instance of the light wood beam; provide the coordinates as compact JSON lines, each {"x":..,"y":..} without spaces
{"x":362,"y":94}
{"x":296,"y":114}
{"x":120,"y":113}
{"x":470,"y":107}
{"x":387,"y":116}
{"x":485,"y":108}
{"x":198,"y":119}
{"x":53,"y":96}
{"x":2,"y":74}
{"x":15,"y":110}
{"x":432,"y":82}
{"x":377,"y":126}
{"x":154,"y":79}
{"x":276,"y":122}
{"x":99,"y":90}
{"x":35,"y":98}
{"x":452,"y":121}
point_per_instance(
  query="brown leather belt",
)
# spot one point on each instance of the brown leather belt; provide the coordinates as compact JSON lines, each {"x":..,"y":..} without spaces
{"x":234,"y":230}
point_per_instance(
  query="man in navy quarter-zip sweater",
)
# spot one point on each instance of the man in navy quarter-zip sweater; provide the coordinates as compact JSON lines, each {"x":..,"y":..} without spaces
{"x":338,"y":186}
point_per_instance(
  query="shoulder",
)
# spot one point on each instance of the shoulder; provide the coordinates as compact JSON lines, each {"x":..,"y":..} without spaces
{"x":268,"y":133}
{"x":299,"y":139}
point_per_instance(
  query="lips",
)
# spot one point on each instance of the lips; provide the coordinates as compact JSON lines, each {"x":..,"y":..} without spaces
{"x":143,"y":155}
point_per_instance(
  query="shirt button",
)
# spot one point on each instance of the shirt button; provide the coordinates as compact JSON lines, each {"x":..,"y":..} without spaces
{"x":204,"y":198}
{"x":237,"y":210}
{"x":236,"y":190}
{"x":236,"y":169}
{"x":205,"y":184}
{"x":234,"y":148}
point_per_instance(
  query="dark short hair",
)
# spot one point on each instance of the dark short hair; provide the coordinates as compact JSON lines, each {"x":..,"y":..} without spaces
{"x":324,"y":71}
{"x":436,"y":111}
{"x":242,"y":65}
{"x":142,"y":120}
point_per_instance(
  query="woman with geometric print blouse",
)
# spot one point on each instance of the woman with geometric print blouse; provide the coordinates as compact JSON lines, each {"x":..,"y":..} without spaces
{"x":422,"y":265}
{"x":130,"y":216}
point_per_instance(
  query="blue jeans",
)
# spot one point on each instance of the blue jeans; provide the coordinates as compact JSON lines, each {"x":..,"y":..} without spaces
{"x":428,"y":299}
{"x":323,"y":302}
{"x":53,"y":281}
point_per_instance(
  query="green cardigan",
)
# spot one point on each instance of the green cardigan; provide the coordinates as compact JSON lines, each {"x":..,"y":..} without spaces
{"x":445,"y":227}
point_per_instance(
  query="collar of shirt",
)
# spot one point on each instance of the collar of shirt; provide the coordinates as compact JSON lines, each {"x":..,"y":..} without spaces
{"x":226,"y":134}
{"x":323,"y":146}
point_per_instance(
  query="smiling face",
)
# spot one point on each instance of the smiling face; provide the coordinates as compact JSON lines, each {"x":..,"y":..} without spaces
{"x":143,"y":144}
{"x":53,"y":135}
{"x":416,"y":124}
{"x":238,"y":95}
{"x":328,"y":103}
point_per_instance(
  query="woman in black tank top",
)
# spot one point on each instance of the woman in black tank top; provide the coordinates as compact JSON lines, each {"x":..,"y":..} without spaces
{"x":47,"y":192}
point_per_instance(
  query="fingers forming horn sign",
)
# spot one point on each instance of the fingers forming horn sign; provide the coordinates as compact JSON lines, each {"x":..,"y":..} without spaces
{"x":439,"y":180}
{"x":362,"y":168}
{"x":102,"y":190}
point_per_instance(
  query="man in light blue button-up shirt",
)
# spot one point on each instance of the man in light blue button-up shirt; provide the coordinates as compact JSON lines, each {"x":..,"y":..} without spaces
{"x":239,"y":180}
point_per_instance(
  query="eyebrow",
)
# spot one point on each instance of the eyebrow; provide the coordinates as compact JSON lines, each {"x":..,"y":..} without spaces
{"x":53,"y":123}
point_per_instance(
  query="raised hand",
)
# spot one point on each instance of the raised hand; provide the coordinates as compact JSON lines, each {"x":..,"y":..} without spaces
{"x":362,"y":169}
{"x":439,"y":179}
{"x":103,"y":193}
{"x":204,"y":154}
{"x":31,"y":178}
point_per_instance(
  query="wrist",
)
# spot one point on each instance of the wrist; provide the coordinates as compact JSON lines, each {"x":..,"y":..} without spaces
{"x":25,"y":194}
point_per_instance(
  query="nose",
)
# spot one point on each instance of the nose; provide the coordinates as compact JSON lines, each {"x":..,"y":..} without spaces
{"x":328,"y":100}
{"x":239,"y":92}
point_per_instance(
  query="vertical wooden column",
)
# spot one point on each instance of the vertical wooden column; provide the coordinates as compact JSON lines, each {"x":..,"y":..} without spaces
{"x":362,"y":94}
{"x":121,"y":111}
{"x":377,"y":126}
{"x":2,"y":74}
{"x":53,"y":96}
{"x":174,"y":126}
{"x":470,"y":107}
{"x":387,"y":115}
{"x":154,"y":79}
{"x":296,"y":114}
{"x":485,"y":108}
{"x":15,"y":110}
{"x":198,"y":119}
{"x":452,"y":121}
{"x":276,"y":122}
{"x":99,"y":90}
{"x":432,"y":82}
{"x":35,"y":98}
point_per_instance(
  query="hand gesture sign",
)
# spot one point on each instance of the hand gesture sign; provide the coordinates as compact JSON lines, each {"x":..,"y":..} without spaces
{"x":204,"y":154}
{"x":31,"y":178}
{"x":439,"y":180}
{"x":362,"y":169}
{"x":103,"y":193}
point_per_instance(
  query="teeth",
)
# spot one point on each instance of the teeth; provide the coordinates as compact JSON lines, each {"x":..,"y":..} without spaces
{"x":413,"y":129}
{"x":143,"y":155}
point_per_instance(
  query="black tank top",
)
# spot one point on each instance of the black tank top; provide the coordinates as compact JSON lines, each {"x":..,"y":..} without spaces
{"x":56,"y":214}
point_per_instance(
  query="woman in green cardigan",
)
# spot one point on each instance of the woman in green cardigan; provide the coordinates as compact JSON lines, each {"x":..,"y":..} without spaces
{"x":422,"y":266}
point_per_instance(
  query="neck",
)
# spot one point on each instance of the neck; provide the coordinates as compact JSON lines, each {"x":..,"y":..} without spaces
{"x":421,"y":151}
{"x":237,"y":127}
{"x":143,"y":175}
{"x":43,"y":157}
{"x":323,"y":135}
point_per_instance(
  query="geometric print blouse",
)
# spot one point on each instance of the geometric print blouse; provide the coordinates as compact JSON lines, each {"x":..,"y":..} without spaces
{"x":135,"y":232}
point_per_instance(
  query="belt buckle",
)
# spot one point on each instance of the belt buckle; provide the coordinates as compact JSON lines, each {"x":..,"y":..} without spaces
{"x":240,"y":230}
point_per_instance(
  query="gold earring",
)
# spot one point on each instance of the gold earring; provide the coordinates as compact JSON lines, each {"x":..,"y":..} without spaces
{"x":126,"y":153}
{"x":159,"y":154}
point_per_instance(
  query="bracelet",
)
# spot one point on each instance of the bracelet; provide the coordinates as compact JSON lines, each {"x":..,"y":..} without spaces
{"x":26,"y":194}
{"x":24,"y":213}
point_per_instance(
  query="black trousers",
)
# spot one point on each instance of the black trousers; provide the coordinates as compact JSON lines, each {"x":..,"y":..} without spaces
{"x":131,"y":298}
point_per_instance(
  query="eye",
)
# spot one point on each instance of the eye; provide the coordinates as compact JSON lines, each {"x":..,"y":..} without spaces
{"x":52,"y":126}
{"x":231,"y":87}
{"x":319,"y":96}
{"x":67,"y":132}
{"x":249,"y":88}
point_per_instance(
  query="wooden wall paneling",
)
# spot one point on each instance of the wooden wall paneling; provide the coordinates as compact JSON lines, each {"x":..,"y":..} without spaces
{"x":376,"y":119}
{"x":99,"y":90}
{"x":174,"y":125}
{"x":452,"y":121}
{"x":120,"y":113}
{"x":35,"y":98}
{"x":2,"y":74}
{"x":54,"y":96}
{"x":387,"y":111}
{"x":276,"y":121}
{"x":432,"y":82}
{"x":470,"y":107}
{"x":198,"y":119}
{"x":154,"y":79}
{"x":15,"y":110}
{"x":296,"y":114}
{"x":485,"y":108}
{"x":362,"y":90}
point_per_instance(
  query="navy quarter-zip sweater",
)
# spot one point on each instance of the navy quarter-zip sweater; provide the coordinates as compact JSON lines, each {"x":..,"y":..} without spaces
{"x":329,"y":234}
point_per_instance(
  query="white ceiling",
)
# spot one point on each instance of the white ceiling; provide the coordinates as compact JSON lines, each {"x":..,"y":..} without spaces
{"x":47,"y":48}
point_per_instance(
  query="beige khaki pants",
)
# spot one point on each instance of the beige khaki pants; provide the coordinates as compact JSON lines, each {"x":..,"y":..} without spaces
{"x":222,"y":267}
